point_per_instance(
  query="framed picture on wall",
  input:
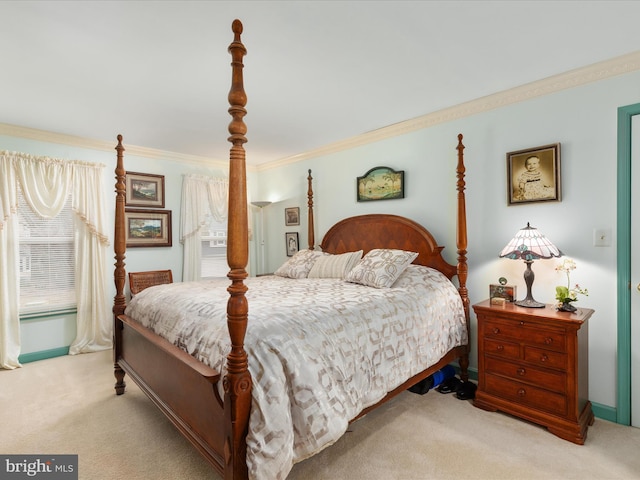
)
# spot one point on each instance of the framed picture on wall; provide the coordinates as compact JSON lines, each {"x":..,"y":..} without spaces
{"x":292,"y":216}
{"x":144,"y":190}
{"x":380,"y":183}
{"x":291,"y":240}
{"x":147,"y":228}
{"x":533,"y":175}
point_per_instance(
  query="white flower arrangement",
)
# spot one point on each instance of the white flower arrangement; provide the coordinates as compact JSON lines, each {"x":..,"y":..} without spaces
{"x":566,"y":295}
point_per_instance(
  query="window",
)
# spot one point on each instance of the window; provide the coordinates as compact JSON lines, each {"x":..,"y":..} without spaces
{"x":47,"y":274}
{"x":214,"y":249}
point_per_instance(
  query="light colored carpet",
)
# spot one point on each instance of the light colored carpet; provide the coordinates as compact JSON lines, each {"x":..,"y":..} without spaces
{"x":67,"y":405}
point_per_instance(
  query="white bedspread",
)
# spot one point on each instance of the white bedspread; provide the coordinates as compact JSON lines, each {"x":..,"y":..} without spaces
{"x":320,"y":350}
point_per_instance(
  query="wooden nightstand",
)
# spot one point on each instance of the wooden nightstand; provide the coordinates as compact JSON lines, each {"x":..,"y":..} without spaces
{"x":533,"y":363}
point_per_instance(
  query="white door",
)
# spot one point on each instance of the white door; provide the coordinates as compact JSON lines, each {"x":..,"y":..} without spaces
{"x":635,"y":271}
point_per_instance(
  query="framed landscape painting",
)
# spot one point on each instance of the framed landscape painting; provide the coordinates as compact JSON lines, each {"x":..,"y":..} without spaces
{"x":147,"y":228}
{"x":380,"y":183}
{"x":144,"y":190}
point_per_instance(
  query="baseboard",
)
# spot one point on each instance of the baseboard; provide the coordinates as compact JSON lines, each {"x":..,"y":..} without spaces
{"x":605,"y":412}
{"x":43,"y":354}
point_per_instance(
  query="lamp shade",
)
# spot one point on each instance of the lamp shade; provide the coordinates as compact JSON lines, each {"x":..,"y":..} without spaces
{"x":529,"y":244}
{"x":260,"y":204}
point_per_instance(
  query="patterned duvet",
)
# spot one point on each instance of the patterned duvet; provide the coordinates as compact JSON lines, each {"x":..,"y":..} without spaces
{"x":320,"y":350}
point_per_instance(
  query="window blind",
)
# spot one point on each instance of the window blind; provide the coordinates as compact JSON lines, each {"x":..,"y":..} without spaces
{"x":214,"y":249}
{"x":47,"y":273}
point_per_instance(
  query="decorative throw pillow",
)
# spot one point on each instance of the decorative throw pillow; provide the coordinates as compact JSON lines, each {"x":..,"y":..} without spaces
{"x":299,"y":265}
{"x":380,"y":268}
{"x":335,"y":266}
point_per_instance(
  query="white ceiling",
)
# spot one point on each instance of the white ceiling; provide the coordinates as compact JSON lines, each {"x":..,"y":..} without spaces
{"x":317,"y":72}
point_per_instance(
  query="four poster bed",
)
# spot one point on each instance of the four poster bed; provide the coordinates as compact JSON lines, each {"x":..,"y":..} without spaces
{"x":255,"y":395}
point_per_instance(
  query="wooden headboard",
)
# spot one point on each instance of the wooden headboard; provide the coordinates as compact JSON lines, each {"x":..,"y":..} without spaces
{"x":366,"y":232}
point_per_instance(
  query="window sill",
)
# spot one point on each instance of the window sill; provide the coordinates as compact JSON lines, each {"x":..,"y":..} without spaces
{"x":52,"y":313}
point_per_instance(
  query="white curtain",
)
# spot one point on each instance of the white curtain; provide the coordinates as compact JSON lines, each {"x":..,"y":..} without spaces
{"x":200,"y":196}
{"x":94,"y":327}
{"x":10,"y":276}
{"x":45,"y":183}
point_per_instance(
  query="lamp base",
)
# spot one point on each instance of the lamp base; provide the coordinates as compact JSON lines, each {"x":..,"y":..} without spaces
{"x":530,"y":303}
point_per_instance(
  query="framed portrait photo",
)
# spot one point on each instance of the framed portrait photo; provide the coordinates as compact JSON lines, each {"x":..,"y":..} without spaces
{"x":144,"y":190}
{"x":292,"y":216}
{"x":533,"y":175}
{"x":291,"y":240}
{"x":147,"y":228}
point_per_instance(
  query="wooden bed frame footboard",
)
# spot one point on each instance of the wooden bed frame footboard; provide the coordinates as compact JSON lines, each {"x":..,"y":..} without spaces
{"x":186,"y":390}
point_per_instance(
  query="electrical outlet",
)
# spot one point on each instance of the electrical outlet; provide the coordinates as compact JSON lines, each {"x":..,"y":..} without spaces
{"x":601,"y":237}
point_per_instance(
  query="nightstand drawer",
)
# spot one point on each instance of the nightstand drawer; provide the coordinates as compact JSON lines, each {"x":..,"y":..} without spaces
{"x":545,"y":358}
{"x":502,"y":348}
{"x":528,"y":395}
{"x":526,"y":332}
{"x":547,"y":379}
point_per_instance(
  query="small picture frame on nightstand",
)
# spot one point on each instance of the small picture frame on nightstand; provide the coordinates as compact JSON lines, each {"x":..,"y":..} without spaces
{"x":506,"y":292}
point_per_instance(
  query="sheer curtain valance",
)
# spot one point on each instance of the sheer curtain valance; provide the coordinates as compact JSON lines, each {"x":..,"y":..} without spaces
{"x":45,"y":183}
{"x":201,"y":196}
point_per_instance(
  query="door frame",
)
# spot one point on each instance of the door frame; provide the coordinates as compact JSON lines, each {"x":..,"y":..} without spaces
{"x":623,"y":402}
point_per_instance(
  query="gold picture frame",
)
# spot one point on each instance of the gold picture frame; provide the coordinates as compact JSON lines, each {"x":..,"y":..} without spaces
{"x":147,"y":228}
{"x":144,"y":190}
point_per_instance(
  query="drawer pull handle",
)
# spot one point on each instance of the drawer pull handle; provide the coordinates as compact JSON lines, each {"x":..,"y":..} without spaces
{"x":548,"y":340}
{"x":521,"y":371}
{"x":522,"y":324}
{"x":496,"y":330}
{"x":500,"y":348}
{"x":522,"y":392}
{"x":543,"y":358}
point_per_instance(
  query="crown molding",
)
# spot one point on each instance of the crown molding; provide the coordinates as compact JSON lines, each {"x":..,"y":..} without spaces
{"x":101,"y":145}
{"x":574,"y":78}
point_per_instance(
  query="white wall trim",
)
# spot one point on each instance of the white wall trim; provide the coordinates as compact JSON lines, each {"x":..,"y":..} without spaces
{"x":574,"y":78}
{"x":101,"y":145}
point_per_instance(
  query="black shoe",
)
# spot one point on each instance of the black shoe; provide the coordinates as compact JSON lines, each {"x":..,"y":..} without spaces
{"x":423,"y":386}
{"x":450,"y":385}
{"x":466,"y":391}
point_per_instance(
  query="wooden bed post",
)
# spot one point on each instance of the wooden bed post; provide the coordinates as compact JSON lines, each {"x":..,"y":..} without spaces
{"x":237,"y":382}
{"x":119,"y":245}
{"x":461,"y":243}
{"x":310,"y":227}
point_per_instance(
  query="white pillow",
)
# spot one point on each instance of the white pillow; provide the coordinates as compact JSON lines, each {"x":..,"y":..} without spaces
{"x":380,"y":268}
{"x":335,"y":266}
{"x":299,"y":265}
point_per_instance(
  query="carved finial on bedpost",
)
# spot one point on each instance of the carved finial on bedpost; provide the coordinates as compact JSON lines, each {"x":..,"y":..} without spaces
{"x":310,"y":227}
{"x":237,"y":382}
{"x":119,"y":247}
{"x":461,"y":241}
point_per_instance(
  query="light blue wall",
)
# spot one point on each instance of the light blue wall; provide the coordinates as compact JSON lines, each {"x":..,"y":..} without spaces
{"x":38,"y":335}
{"x":582,"y":120}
